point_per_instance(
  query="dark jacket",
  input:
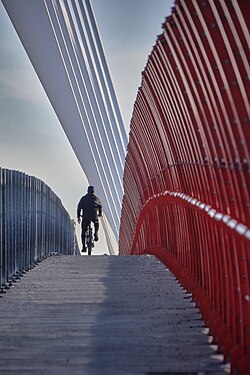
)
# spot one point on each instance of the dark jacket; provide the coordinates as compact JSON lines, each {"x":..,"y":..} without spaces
{"x":90,"y":205}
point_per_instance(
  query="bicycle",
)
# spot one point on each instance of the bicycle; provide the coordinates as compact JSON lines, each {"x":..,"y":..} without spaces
{"x":89,"y":242}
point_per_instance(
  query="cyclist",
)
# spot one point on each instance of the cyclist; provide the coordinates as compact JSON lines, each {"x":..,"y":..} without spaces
{"x":91,"y":208}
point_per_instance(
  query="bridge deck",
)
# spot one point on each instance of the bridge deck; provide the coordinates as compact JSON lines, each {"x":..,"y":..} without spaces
{"x":102,"y":315}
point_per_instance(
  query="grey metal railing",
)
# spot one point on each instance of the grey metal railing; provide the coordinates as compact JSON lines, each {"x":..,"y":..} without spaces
{"x":33,"y":224}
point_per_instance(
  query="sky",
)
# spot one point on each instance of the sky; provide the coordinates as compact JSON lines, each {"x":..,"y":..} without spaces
{"x":31,"y":137}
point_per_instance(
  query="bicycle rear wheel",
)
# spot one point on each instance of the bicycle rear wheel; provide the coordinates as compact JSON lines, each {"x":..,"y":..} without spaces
{"x":90,"y":240}
{"x":89,"y":250}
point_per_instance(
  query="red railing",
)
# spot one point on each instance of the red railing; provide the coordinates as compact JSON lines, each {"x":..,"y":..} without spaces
{"x":186,"y":179}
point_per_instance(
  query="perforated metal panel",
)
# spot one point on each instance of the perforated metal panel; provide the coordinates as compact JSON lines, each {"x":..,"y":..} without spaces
{"x":33,"y":224}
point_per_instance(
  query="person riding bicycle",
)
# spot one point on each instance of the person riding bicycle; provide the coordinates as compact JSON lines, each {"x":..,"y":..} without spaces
{"x":91,"y":208}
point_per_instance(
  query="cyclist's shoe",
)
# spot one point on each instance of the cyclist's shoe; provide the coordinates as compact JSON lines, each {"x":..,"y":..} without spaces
{"x":96,"y":237}
{"x":84,"y":249}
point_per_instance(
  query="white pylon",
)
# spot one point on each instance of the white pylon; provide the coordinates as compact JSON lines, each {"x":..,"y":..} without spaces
{"x":63,"y":43}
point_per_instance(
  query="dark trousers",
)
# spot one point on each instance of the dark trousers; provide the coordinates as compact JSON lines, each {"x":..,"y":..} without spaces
{"x":85,"y":224}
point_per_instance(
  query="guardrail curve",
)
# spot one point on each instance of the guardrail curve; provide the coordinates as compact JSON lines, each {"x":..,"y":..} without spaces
{"x":33,"y":224}
{"x":186,"y":178}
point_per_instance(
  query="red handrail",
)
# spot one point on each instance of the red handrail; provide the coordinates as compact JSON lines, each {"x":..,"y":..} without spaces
{"x":186,"y":178}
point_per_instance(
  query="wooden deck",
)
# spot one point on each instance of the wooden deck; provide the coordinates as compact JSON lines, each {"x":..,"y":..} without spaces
{"x":103,"y":315}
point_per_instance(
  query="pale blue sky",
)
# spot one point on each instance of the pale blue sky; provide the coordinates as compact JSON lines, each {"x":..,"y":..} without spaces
{"x":31,"y":138}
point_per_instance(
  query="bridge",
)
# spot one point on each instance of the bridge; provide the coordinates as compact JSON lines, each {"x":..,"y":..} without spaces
{"x":185,"y":202}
